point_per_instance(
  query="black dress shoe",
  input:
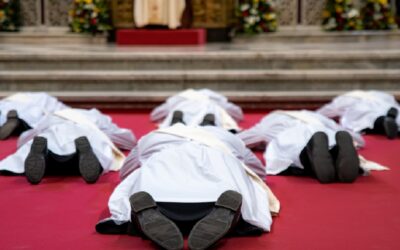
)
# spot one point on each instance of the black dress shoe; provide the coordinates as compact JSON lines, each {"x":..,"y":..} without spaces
{"x":347,"y":162}
{"x":89,"y":165}
{"x":209,"y":120}
{"x":221,"y":220}
{"x":35,"y":163}
{"x":386,"y":125}
{"x":177,"y":117}
{"x":393,"y":112}
{"x":390,"y":127}
{"x":10,"y":126}
{"x":153,"y":224}
{"x":320,"y":160}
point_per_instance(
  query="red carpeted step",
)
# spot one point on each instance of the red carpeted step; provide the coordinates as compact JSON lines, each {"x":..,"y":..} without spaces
{"x":61,"y":212}
{"x":161,"y":37}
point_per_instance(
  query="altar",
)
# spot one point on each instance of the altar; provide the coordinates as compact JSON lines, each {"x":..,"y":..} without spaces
{"x":50,"y":18}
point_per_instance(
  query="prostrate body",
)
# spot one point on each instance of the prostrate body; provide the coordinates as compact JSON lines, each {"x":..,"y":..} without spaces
{"x":370,"y":111}
{"x":22,"y":111}
{"x":193,"y":165}
{"x":60,"y":133}
{"x":195,"y":105}
{"x":287,"y":133}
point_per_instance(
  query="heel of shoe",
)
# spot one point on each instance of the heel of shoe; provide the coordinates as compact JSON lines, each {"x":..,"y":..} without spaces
{"x":89,"y":166}
{"x":390,"y":127}
{"x":35,"y":163}
{"x":141,"y":201}
{"x":347,"y":162}
{"x":231,"y":200}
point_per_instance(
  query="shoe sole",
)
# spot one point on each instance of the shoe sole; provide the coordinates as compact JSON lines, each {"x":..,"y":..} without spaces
{"x":390,"y":127}
{"x":177,"y":117}
{"x":11,"y":124}
{"x":393,"y":112}
{"x":153,"y":224}
{"x":209,"y":120}
{"x":89,"y":166}
{"x":35,"y":163}
{"x":347,"y":162}
{"x":320,"y":159}
{"x":209,"y":230}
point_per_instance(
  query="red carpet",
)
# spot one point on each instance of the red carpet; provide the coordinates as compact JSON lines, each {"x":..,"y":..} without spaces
{"x":161,"y":37}
{"x":61,"y":213}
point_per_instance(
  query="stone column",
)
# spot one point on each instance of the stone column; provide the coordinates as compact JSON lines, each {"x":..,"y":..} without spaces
{"x":56,"y":12}
{"x":311,"y":11}
{"x":31,"y":13}
{"x":287,"y":11}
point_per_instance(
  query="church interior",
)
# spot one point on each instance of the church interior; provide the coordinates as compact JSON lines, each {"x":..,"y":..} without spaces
{"x":127,"y":57}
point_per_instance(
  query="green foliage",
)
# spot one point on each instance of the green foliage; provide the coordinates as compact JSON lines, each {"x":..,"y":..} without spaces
{"x":257,"y":16}
{"x":10,"y":19}
{"x":90,"y":16}
{"x":377,"y":15}
{"x":340,"y":15}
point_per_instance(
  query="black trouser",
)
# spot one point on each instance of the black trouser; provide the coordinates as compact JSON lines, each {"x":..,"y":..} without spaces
{"x":62,"y":165}
{"x":184,"y":215}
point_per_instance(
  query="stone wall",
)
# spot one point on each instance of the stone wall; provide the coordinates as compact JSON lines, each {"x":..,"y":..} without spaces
{"x":310,"y":11}
{"x":30,"y":12}
{"x":56,"y":12}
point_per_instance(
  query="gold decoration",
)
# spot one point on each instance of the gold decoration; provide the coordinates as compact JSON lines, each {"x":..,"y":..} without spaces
{"x":122,"y":13}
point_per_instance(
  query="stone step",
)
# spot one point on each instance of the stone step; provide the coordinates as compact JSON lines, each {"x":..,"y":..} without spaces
{"x":189,"y":60}
{"x":314,"y":34}
{"x":144,"y":100}
{"x":43,"y":35}
{"x":222,"y":80}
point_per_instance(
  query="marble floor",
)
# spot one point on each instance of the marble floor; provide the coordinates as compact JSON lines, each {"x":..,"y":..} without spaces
{"x":215,"y":48}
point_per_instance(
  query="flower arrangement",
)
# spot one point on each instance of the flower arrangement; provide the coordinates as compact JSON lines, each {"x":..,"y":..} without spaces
{"x":377,"y":15}
{"x":257,"y":16}
{"x":90,"y":16}
{"x":9,"y":15}
{"x":340,"y":15}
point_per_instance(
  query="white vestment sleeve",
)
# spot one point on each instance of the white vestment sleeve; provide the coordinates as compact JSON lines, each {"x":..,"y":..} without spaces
{"x":233,"y":110}
{"x":118,"y":203}
{"x":251,"y":160}
{"x":159,"y":112}
{"x":131,"y":163}
{"x":253,"y":137}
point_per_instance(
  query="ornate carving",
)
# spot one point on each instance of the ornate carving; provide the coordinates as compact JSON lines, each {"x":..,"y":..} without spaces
{"x":30,"y":12}
{"x":287,"y":12}
{"x":213,"y":13}
{"x":122,"y":13}
{"x":57,"y":12}
{"x":312,"y":11}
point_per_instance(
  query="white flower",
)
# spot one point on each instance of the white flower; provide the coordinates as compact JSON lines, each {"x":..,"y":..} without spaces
{"x":244,"y":7}
{"x":250,"y":20}
{"x":377,"y":16}
{"x":331,"y":23}
{"x":352,"y":13}
{"x":89,"y":6}
{"x":253,"y":11}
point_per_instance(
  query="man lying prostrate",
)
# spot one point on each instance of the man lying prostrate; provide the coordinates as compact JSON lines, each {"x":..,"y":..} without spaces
{"x":365,"y":111}
{"x":200,"y":113}
{"x":66,"y":142}
{"x":307,"y":143}
{"x":122,"y":138}
{"x":162,"y":111}
{"x":192,"y":180}
{"x":22,"y":111}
